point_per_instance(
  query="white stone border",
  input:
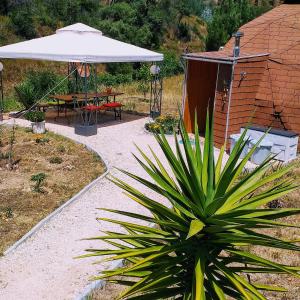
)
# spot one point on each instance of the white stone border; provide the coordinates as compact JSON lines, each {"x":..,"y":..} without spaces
{"x":98,"y":283}
{"x":102,"y":282}
{"x":59,"y":209}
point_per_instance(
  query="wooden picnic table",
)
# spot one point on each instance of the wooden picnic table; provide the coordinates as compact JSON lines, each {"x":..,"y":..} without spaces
{"x":82,"y":97}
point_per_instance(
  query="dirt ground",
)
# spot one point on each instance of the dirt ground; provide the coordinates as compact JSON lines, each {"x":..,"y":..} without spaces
{"x":67,"y":167}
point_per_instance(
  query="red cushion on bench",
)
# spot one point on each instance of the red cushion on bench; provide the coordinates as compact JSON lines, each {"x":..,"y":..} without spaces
{"x":90,"y":107}
{"x":112,"y":104}
{"x":102,"y":107}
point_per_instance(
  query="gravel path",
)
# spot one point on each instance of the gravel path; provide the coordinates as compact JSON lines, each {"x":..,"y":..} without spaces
{"x":43,"y":267}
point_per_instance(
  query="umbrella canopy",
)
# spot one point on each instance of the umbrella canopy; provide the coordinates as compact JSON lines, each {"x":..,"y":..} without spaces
{"x":78,"y":43}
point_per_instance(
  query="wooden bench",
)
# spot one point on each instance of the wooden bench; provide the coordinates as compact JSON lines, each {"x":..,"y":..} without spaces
{"x":116,"y":106}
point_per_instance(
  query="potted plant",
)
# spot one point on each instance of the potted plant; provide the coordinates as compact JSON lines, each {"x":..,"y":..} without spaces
{"x":108,"y":89}
{"x":37,"y":119}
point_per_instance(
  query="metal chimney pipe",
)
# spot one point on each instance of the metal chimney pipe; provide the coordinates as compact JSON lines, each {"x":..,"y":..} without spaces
{"x":237,"y":49}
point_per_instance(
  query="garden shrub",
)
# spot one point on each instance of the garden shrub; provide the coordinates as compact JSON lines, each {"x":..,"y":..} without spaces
{"x":143,"y":76}
{"x":35,"y":116}
{"x":167,"y":123}
{"x":119,"y":68}
{"x":9,"y":213}
{"x":10,"y":104}
{"x":25,"y":94}
{"x":171,"y":64}
{"x":39,"y":179}
{"x":143,"y":87}
{"x":108,"y":79}
{"x":143,"y":73}
{"x":36,"y":85}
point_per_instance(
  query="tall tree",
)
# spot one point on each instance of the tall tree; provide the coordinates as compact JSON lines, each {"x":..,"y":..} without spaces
{"x":228,"y":16}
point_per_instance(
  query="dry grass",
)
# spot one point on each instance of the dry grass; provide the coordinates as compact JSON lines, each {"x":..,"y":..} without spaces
{"x":109,"y":292}
{"x":134,"y":100}
{"x":292,"y":284}
{"x":20,"y":207}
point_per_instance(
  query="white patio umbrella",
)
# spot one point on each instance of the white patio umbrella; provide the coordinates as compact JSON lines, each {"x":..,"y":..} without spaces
{"x":79,"y":43}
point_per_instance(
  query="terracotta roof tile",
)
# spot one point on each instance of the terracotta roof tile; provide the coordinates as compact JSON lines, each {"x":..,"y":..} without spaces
{"x":270,"y":85}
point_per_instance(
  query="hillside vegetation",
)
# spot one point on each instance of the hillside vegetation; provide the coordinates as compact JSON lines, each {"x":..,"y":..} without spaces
{"x":168,"y":26}
{"x":147,"y":23}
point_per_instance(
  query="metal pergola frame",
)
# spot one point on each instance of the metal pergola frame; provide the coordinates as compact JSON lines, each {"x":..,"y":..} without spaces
{"x":156,"y":90}
{"x":82,"y":78}
{"x":78,"y":83}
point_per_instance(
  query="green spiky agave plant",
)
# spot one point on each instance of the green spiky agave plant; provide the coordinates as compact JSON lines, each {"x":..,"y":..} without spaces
{"x":198,"y":246}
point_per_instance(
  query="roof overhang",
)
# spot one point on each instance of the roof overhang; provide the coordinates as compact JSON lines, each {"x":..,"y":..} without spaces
{"x":220,"y":57}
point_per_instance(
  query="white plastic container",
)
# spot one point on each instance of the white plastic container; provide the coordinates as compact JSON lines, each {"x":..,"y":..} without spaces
{"x":233,"y":140}
{"x":38,"y":127}
{"x":262,"y":152}
{"x":284,"y":142}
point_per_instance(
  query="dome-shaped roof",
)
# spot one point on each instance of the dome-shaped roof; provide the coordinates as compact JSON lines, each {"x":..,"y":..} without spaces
{"x":277,"y":32}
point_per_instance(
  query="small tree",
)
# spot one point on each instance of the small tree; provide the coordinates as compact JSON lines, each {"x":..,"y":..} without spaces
{"x":199,"y":246}
{"x":144,"y":87}
{"x":228,"y":16}
{"x":39,"y":180}
{"x":12,"y":139}
{"x":24,"y":19}
{"x":144,"y":77}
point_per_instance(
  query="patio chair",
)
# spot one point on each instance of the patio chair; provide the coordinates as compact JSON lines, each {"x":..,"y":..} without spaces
{"x":116,"y":107}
